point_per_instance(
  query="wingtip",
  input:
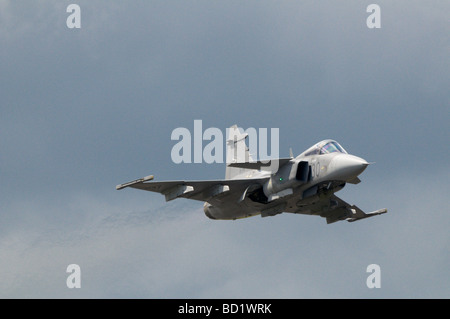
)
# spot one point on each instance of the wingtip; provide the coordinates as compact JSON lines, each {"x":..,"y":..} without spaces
{"x":141,"y":180}
{"x":148,"y":178}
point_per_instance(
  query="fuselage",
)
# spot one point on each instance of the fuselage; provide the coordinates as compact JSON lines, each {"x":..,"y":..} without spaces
{"x":295,"y":187}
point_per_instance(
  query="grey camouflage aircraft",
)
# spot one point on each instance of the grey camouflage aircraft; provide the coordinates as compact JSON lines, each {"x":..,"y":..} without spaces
{"x":302,"y":185}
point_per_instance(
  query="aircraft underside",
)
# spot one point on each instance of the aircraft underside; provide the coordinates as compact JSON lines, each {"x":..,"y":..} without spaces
{"x":312,"y":201}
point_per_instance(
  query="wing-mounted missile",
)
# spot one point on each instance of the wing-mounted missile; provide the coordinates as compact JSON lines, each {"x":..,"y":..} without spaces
{"x":140,"y":180}
{"x":340,"y":210}
{"x":357,"y":214}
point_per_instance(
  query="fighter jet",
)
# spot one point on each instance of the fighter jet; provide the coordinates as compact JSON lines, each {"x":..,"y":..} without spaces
{"x":302,"y":185}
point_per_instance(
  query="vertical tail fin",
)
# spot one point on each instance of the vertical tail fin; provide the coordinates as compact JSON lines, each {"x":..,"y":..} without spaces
{"x":237,"y":152}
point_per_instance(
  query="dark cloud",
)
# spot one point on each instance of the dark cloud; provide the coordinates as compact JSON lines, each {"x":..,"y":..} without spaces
{"x":83,"y":110}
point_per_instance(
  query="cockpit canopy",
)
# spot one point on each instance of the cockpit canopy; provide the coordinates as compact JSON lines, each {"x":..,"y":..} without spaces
{"x":325,"y":147}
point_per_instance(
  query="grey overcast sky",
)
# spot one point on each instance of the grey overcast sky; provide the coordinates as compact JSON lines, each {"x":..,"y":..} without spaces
{"x":85,"y":109}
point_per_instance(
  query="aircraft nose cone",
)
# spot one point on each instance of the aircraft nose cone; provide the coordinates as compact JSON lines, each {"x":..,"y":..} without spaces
{"x":348,"y":166}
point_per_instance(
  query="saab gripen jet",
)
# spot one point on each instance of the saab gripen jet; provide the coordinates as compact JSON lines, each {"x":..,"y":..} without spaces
{"x":302,"y":185}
